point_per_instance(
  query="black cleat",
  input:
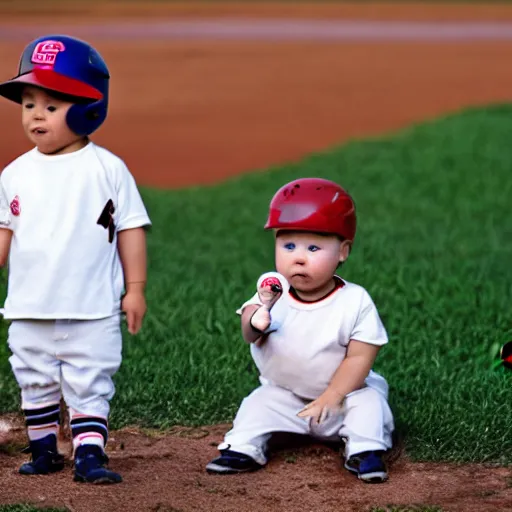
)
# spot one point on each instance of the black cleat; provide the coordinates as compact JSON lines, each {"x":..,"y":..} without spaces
{"x":90,"y":466}
{"x":45,"y":457}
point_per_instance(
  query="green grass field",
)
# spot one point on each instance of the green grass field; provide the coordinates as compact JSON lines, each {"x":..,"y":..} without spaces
{"x":434,"y":249}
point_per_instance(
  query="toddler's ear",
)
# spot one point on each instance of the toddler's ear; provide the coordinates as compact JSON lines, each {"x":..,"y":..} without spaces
{"x":345,"y":247}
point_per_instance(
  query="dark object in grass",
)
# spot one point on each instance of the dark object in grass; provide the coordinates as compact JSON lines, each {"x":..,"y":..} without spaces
{"x":506,"y":355}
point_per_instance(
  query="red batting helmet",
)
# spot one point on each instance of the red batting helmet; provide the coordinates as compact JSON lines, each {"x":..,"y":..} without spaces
{"x":313,"y":204}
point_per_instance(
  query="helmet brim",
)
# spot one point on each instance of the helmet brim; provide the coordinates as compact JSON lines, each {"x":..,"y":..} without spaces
{"x":300,"y":228}
{"x":50,"y":80}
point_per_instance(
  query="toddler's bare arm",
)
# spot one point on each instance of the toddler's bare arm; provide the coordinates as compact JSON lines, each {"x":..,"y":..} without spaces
{"x":5,"y":245}
{"x":354,"y":369}
{"x":132,"y":252}
{"x":256,"y":319}
{"x":349,"y":376}
{"x":249,"y":334}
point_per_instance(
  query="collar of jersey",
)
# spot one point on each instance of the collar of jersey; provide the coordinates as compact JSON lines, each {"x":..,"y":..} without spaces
{"x":66,"y":156}
{"x":312,"y":304}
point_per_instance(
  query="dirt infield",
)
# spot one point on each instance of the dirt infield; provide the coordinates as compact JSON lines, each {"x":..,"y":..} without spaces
{"x":196,"y":111}
{"x":82,"y":11}
{"x":165,"y":473}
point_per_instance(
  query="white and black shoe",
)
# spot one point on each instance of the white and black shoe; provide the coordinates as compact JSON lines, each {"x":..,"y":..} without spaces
{"x":368,"y":466}
{"x":231,"y":462}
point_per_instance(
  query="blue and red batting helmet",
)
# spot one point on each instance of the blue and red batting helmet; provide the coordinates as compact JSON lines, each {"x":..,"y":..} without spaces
{"x":313,"y":204}
{"x":68,"y":66}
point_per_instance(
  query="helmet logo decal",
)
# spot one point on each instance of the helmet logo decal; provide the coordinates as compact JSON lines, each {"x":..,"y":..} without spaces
{"x":296,"y":212}
{"x":46,"y":52}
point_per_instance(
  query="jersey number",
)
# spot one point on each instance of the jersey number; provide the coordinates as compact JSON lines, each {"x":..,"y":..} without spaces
{"x":107,"y":221}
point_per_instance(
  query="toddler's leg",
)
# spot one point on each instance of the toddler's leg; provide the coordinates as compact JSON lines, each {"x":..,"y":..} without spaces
{"x":37,"y":372}
{"x":266,"y":410}
{"x":367,"y":423}
{"x":367,"y":428}
{"x":89,"y":360}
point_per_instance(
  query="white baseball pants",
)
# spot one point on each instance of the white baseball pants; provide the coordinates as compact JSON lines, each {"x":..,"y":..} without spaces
{"x":365,"y":422}
{"x":74,"y":357}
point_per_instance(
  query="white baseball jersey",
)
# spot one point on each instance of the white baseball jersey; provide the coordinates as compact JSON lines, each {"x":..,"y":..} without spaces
{"x":312,"y":340}
{"x":65,"y":211}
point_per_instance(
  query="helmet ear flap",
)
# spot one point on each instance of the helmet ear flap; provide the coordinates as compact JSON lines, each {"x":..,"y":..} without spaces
{"x":83,"y":119}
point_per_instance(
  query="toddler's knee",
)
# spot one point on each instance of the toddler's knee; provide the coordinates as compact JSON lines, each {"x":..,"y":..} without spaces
{"x":366,"y":398}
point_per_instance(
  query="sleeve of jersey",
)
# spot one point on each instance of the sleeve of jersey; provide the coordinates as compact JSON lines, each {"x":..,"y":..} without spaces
{"x":5,"y":210}
{"x":131,"y":210}
{"x":369,"y":327}
{"x":255,"y":299}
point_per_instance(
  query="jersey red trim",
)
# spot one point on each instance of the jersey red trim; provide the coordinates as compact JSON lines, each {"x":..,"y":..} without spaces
{"x":338,"y":283}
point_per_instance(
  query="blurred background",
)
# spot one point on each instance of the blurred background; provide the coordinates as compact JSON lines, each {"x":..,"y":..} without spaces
{"x":206,"y":90}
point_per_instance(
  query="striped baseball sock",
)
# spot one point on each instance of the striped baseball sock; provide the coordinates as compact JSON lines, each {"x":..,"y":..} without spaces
{"x":88,"y":430}
{"x":42,"y":421}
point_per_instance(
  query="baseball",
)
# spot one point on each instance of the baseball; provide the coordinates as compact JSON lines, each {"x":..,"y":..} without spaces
{"x":271,"y":286}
